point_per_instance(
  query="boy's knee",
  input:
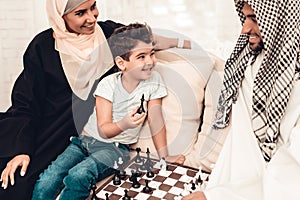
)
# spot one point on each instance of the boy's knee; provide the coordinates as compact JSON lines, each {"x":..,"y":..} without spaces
{"x":76,"y":177}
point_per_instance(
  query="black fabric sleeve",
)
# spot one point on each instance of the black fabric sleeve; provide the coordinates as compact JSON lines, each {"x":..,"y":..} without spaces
{"x":109,"y":26}
{"x":19,"y":126}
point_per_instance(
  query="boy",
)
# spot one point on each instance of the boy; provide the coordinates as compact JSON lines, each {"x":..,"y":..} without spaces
{"x":115,"y":123}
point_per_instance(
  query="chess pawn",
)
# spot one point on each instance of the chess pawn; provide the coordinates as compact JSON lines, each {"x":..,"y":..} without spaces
{"x":141,"y":109}
{"x":137,"y":171}
{"x":185,"y":191}
{"x":135,"y":183}
{"x":126,"y":196}
{"x":115,"y":165}
{"x":193,"y":187}
{"x":150,"y":173}
{"x":94,"y":196}
{"x":122,"y":174}
{"x":147,"y":189}
{"x":116,"y":179}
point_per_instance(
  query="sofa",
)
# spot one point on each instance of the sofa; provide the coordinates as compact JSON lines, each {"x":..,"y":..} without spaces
{"x":193,"y":79}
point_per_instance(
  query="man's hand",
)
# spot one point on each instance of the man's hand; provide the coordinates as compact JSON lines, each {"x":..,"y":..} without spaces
{"x":195,"y":196}
{"x":8,"y":174}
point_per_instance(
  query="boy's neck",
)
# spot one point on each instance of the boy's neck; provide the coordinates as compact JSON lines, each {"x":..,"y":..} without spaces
{"x":128,"y":83}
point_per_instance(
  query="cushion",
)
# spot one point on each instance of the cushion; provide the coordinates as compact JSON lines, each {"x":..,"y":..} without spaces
{"x":186,"y":74}
{"x":205,"y":137}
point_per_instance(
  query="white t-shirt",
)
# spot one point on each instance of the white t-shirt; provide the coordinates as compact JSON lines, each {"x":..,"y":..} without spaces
{"x":111,"y":88}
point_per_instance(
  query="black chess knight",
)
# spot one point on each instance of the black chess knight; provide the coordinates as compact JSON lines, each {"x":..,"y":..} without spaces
{"x":141,"y":108}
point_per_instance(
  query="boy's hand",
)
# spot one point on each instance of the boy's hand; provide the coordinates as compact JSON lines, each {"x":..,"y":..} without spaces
{"x":179,"y":159}
{"x":132,"y":120}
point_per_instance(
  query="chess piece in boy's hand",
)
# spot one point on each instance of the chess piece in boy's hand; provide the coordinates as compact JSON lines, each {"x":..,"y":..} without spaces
{"x":141,"y":108}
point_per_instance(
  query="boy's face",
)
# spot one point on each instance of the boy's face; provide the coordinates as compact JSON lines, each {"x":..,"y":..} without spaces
{"x":141,"y":61}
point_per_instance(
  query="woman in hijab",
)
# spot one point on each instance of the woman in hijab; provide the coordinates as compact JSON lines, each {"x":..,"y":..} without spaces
{"x":52,"y":97}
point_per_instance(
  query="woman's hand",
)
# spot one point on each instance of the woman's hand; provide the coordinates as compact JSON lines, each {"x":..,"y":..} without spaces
{"x":8,"y":174}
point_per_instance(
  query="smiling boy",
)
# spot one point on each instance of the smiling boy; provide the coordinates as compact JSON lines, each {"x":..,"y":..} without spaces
{"x":114,"y":124}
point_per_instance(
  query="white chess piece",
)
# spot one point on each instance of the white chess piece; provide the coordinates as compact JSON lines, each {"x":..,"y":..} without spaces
{"x":115,"y":165}
{"x":120,"y":161}
{"x":162,"y":166}
{"x":185,"y":191}
{"x":177,"y":198}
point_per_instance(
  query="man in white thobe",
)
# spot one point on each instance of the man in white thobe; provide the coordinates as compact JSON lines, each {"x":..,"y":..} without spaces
{"x":260,"y":100}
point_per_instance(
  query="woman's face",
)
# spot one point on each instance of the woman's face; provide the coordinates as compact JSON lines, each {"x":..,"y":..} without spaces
{"x":83,"y":19}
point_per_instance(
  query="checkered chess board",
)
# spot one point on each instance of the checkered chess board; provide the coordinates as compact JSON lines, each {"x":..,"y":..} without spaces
{"x":165,"y":185}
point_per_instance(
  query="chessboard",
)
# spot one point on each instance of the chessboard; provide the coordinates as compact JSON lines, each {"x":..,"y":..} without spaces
{"x":171,"y":181}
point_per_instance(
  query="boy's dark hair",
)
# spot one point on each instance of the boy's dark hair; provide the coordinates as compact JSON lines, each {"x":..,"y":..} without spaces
{"x":125,"y":38}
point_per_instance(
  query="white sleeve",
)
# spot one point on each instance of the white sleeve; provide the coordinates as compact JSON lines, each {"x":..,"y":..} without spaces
{"x":241,"y":190}
{"x":158,"y":89}
{"x":282,"y":178}
{"x":105,"y":87}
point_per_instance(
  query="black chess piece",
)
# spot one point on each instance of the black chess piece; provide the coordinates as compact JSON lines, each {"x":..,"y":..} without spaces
{"x":106,"y":196}
{"x":150,"y":173}
{"x":200,"y":180}
{"x":122,"y":174}
{"x":148,"y":163}
{"x":135,"y":183}
{"x":132,"y":175}
{"x":193,"y":186}
{"x":147,"y":189}
{"x":126,"y":196}
{"x":93,"y":188}
{"x":141,"y":108}
{"x":143,"y":166}
{"x":138,"y":158}
{"x":116,"y":178}
{"x":137,"y":171}
{"x":133,"y":179}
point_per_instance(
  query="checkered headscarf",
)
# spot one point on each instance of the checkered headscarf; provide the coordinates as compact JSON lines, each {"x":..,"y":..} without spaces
{"x":279,"y":22}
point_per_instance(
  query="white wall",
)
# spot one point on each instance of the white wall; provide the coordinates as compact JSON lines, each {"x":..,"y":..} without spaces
{"x":211,"y":23}
{"x":16,"y":28}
